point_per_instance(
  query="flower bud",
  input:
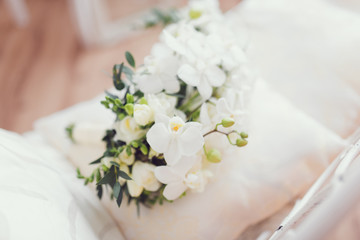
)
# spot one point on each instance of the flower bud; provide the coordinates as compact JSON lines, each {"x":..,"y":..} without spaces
{"x":143,"y":114}
{"x":193,"y":14}
{"x":244,"y":135}
{"x":227,"y":122}
{"x":213,"y":155}
{"x":129,"y":108}
{"x":129,"y":98}
{"x":241,"y":142}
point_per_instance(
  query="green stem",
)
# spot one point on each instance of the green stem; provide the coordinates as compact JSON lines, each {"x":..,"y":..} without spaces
{"x":189,"y":102}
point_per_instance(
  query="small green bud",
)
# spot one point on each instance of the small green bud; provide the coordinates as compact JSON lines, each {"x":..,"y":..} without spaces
{"x":105,"y":103}
{"x":118,"y":102}
{"x":129,"y":98}
{"x":129,"y":108}
{"x":144,"y":149}
{"x":105,"y":168}
{"x":241,"y":142}
{"x":135,"y":144}
{"x":213,"y":155}
{"x":244,"y":135}
{"x":142,"y":101}
{"x":227,"y":122}
{"x":193,"y":14}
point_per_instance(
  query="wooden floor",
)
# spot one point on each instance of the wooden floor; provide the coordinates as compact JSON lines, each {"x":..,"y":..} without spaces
{"x":44,"y":68}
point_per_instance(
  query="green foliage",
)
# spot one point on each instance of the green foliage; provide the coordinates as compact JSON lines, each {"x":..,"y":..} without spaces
{"x":69,"y":132}
{"x":130,"y":59}
{"x":163,"y":18}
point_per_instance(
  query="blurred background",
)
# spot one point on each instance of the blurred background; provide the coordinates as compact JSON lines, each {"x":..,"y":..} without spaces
{"x":56,"y":53}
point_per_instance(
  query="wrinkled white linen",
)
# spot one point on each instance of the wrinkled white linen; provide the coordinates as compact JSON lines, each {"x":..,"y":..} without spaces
{"x":286,"y":152}
{"x":40,"y":198}
{"x":309,"y":51}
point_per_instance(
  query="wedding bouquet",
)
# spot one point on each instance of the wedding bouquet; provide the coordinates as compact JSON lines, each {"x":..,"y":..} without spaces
{"x":175,"y":114}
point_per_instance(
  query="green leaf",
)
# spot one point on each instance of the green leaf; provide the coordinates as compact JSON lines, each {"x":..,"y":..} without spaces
{"x":114,"y":163}
{"x":69,"y":131}
{"x":129,"y":73}
{"x":144,"y":149}
{"x":128,"y":151}
{"x":120,"y":197}
{"x":123,"y":175}
{"x":99,"y":191}
{"x":118,"y":83}
{"x":98,"y":175}
{"x":97,"y":160}
{"x":116,"y":189}
{"x":109,"y":178}
{"x":130,"y":59}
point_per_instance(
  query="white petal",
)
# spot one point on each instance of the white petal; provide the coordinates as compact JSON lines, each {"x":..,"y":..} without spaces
{"x":153,"y":186}
{"x":166,"y":174}
{"x":191,"y":141}
{"x":158,"y":137}
{"x":134,"y":189}
{"x":205,"y":90}
{"x":185,"y":164}
{"x":150,"y":84}
{"x":174,"y":190}
{"x":215,"y":76}
{"x":189,"y":75}
{"x":171,"y":86}
{"x":172,"y":43}
{"x":204,"y":115}
{"x":173,"y":153}
{"x":161,"y":118}
{"x":222,"y":106}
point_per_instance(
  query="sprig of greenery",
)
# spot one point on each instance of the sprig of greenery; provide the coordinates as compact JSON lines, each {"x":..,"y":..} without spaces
{"x":162,"y":17}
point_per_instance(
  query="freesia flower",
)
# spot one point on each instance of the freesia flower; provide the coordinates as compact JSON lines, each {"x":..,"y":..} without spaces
{"x":143,"y":114}
{"x":175,"y":138}
{"x":143,"y":178}
{"x":161,"y":103}
{"x":183,"y":175}
{"x":128,"y":130}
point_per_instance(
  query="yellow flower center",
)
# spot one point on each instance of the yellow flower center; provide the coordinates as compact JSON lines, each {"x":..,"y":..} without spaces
{"x":176,"y":126}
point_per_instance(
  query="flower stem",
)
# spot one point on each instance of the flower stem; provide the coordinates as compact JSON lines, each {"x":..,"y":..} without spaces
{"x":186,"y":105}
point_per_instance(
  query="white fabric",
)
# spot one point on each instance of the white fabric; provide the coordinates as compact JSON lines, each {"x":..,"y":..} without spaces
{"x":309,"y":51}
{"x":42,"y":199}
{"x":285,"y":154}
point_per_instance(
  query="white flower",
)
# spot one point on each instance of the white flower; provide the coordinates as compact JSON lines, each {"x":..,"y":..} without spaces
{"x":183,"y":175}
{"x":143,"y":178}
{"x":125,"y":158}
{"x":161,"y":103}
{"x":128,"y":130}
{"x":175,"y":138}
{"x":143,"y":114}
{"x":201,"y":66}
{"x":106,"y":161}
{"x":87,"y":133}
{"x":159,"y":71}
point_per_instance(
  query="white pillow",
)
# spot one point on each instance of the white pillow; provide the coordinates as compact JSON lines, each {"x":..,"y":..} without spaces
{"x":41,"y":199}
{"x":287,"y":150}
{"x":309,"y":51}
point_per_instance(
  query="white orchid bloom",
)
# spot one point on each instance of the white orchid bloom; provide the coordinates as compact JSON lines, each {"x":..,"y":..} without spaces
{"x":175,"y":138}
{"x":201,"y":66}
{"x":183,"y":175}
{"x":159,"y":71}
{"x":128,"y":130}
